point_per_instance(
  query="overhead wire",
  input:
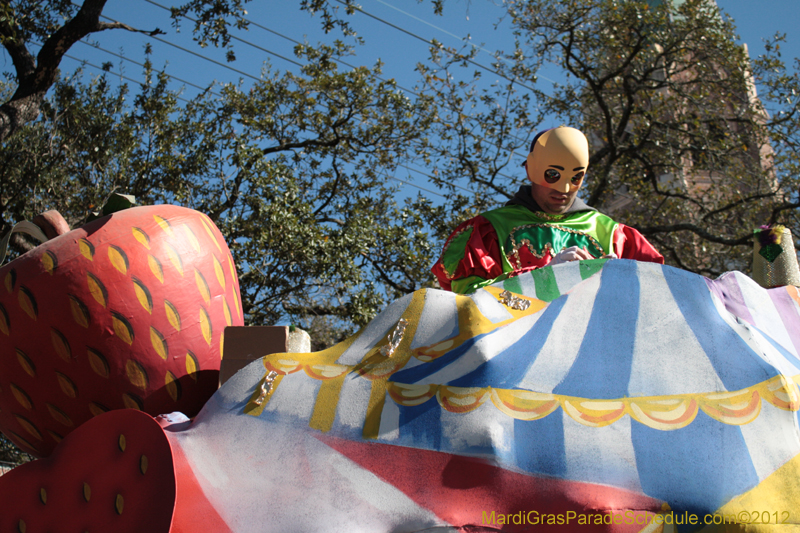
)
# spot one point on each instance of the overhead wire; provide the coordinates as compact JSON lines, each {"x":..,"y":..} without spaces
{"x":216,"y":94}
{"x":278,"y":34}
{"x":432,"y":43}
{"x":102,"y":69}
{"x":494,"y":55}
{"x":258,"y":47}
{"x":127,"y":78}
{"x":163,"y":72}
{"x":413,"y":184}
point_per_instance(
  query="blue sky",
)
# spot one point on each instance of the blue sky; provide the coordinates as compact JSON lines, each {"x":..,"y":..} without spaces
{"x":397,"y":50}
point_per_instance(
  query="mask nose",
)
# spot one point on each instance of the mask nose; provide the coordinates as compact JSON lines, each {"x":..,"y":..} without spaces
{"x":562,"y":185}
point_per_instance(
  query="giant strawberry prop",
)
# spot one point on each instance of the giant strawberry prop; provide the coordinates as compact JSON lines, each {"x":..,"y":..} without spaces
{"x":126,"y":311}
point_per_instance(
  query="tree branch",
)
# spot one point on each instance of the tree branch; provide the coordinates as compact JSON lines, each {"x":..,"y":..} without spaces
{"x":36,"y":77}
{"x":700,"y":232}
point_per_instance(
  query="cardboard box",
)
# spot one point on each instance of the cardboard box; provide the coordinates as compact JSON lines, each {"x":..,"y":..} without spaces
{"x":244,"y":344}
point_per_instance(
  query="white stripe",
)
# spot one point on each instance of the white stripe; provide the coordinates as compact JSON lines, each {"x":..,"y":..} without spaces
{"x":485,"y":349}
{"x":754,"y":340}
{"x":764,"y":313}
{"x":438,"y":320}
{"x":278,"y":477}
{"x":485,"y":427}
{"x":390,"y":420}
{"x":601,"y":455}
{"x":295,"y":396}
{"x":772,"y":356}
{"x":351,"y":411}
{"x":567,"y":275}
{"x":772,"y":439}
{"x":526,"y":283}
{"x":667,"y":357}
{"x":740,"y":327}
{"x":490,"y":306}
{"x":560,"y":350}
{"x":376,"y":330}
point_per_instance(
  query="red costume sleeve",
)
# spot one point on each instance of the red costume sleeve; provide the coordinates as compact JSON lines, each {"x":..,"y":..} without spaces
{"x":630,"y":244}
{"x":471,"y":250}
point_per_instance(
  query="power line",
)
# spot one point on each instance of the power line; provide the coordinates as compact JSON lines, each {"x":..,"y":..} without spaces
{"x":495,"y":55}
{"x":124,"y":77}
{"x":409,"y":91}
{"x":234,"y":37}
{"x":431,"y":43}
{"x":294,"y":41}
{"x":98,"y":47}
{"x":102,"y":69}
{"x":413,"y":184}
{"x":187,"y":101}
{"x":138,"y":82}
{"x":256,"y":24}
{"x":183,"y":49}
{"x":298,"y":64}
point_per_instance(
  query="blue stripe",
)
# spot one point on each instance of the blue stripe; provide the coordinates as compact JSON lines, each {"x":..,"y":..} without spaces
{"x":421,"y":426}
{"x":540,"y":445}
{"x":734,"y":361}
{"x":698,"y":468}
{"x":417,"y":373}
{"x":506,"y":370}
{"x":602,"y":368}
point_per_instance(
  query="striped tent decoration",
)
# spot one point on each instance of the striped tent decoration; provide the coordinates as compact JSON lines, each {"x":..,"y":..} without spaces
{"x":606,"y":395}
{"x":627,"y":391}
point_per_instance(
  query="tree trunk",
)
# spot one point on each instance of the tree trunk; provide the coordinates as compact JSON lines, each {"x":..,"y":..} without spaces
{"x":18,"y":111}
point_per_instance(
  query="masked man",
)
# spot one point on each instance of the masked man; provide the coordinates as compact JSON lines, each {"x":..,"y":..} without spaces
{"x":545,"y":223}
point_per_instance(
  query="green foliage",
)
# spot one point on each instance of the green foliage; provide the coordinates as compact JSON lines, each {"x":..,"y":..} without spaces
{"x":33,"y":19}
{"x":212,"y":21}
{"x":292,"y":170}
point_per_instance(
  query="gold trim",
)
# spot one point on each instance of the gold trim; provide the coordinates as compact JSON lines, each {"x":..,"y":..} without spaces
{"x":549,"y":216}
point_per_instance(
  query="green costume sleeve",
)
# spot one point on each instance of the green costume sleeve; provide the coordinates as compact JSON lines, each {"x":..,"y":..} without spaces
{"x":471,"y":284}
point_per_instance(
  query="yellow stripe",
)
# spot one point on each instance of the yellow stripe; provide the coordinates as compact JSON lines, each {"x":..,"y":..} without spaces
{"x":377,"y":398}
{"x":327,"y":401}
{"x":776,"y":494}
{"x":397,"y":361}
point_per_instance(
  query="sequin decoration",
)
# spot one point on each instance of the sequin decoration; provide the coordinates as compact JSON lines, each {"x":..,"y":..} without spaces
{"x":513,"y":301}
{"x":775,"y":267}
{"x":395,"y":337}
{"x":771,"y":252}
{"x":266,"y":387}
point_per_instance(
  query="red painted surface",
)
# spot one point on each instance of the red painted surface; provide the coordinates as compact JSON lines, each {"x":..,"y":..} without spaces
{"x":464,"y":491}
{"x":90,"y":483}
{"x":193,"y":511}
{"x":127,"y":311}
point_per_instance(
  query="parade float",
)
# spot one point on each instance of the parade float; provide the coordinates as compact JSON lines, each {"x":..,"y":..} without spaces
{"x":603,"y":395}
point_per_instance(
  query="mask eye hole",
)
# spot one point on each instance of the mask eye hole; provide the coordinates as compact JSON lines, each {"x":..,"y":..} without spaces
{"x":576,"y":179}
{"x":551,"y":175}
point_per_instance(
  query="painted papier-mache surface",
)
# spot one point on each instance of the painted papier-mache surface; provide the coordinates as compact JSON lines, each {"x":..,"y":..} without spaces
{"x":127,"y":311}
{"x":589,"y":388}
{"x":605,"y":395}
